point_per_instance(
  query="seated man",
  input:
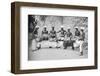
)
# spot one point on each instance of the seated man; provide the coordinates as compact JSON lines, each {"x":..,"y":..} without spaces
{"x":62,"y":34}
{"x":76,"y":37}
{"x":68,"y":40}
{"x":69,"y":34}
{"x":44,"y":34}
{"x":77,"y":33}
{"x":52,"y":34}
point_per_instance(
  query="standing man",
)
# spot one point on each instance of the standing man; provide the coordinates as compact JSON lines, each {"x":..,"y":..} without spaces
{"x":52,"y":34}
{"x":35,"y":32}
{"x":35,"y":38}
{"x":45,"y":34}
{"x":82,"y":37}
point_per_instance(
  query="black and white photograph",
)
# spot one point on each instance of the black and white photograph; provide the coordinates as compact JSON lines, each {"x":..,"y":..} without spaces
{"x":52,"y":37}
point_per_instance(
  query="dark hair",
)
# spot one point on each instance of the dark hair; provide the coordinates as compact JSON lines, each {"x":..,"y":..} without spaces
{"x":76,"y":28}
{"x":82,"y":30}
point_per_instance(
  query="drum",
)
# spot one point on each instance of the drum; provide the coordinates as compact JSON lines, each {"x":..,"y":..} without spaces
{"x":68,"y":43}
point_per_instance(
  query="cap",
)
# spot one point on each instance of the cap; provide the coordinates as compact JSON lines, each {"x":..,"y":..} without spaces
{"x":37,"y":26}
{"x":62,"y":26}
{"x":76,"y":27}
{"x":82,"y":28}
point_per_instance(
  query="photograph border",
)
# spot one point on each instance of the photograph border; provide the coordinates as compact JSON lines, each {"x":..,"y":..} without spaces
{"x":15,"y":37}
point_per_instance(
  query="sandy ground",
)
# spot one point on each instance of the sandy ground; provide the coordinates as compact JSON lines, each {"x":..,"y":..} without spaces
{"x":54,"y":54}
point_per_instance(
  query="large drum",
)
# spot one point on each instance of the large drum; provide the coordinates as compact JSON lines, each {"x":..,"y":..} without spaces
{"x":68,"y":43}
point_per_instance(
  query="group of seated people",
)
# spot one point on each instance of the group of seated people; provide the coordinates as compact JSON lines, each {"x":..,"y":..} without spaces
{"x":52,"y":35}
{"x":66,"y":36}
{"x":63,"y":34}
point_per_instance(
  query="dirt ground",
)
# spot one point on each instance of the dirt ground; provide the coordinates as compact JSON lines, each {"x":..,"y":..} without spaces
{"x":54,"y":54}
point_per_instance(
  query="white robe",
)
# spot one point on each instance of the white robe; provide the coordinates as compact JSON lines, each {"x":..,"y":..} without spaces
{"x":34,"y":44}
